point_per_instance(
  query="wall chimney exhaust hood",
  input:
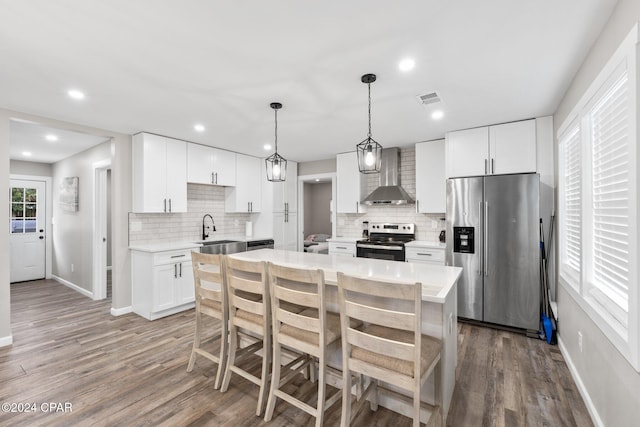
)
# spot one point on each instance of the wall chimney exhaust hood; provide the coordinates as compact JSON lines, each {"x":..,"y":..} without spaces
{"x":389,"y":191}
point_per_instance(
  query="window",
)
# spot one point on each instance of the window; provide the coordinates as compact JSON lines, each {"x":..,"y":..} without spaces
{"x":598,"y":188}
{"x":23,"y":210}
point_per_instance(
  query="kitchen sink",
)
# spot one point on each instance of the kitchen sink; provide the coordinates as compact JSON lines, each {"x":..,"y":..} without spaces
{"x":222,"y":246}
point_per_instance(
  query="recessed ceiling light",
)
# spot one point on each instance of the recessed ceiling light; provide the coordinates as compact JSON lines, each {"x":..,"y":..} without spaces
{"x":437,"y":115}
{"x":407,"y":64}
{"x":199,"y":127}
{"x":76,"y":94}
{"x":51,"y":137}
{"x":26,"y":153}
{"x":267,"y":146}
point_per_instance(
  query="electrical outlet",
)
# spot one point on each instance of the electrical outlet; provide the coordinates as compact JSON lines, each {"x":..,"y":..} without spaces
{"x":580,"y":341}
{"x":73,"y":268}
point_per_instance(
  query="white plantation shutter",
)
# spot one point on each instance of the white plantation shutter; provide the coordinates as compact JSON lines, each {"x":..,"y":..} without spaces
{"x":571,"y":243}
{"x":611,"y":163}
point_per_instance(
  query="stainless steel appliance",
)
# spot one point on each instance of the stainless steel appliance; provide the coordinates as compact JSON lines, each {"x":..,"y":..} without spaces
{"x":386,"y":241}
{"x":254,"y":245}
{"x":493,"y":224}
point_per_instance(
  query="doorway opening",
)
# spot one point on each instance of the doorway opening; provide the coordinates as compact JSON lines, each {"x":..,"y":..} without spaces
{"x":317,"y":218}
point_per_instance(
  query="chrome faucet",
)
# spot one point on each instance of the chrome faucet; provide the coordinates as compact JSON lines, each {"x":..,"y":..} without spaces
{"x":205,"y":234}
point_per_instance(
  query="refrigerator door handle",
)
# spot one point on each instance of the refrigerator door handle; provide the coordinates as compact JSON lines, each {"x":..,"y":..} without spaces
{"x":485,"y":239}
{"x":480,"y":270}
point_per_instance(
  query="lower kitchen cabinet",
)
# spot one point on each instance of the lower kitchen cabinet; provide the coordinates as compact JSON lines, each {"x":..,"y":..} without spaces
{"x":162,"y":282}
{"x":423,"y":255}
{"x":347,"y":249}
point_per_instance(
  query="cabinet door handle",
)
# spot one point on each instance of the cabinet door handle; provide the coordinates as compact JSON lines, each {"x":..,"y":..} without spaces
{"x":175,"y":271}
{"x":180,"y":269}
{"x":485,"y":166}
{"x":341,"y":247}
{"x":165,"y":205}
{"x":213,"y":179}
{"x":492,"y":171}
{"x":169,"y":205}
{"x":178,"y":256}
{"x":420,"y":253}
{"x":216,"y":177}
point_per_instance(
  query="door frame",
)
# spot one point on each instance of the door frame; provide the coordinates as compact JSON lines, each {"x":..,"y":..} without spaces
{"x":48,"y":243}
{"x":332,"y":208}
{"x":100,"y":206}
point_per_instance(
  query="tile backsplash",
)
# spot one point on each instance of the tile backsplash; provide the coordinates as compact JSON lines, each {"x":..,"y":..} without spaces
{"x":350,"y":225}
{"x":201,"y":200}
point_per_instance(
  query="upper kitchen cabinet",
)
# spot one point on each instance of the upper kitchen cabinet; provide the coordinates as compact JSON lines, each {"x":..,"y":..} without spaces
{"x":208,"y":165}
{"x":279,"y":217}
{"x":159,"y":174}
{"x":245,"y":196}
{"x":351,"y":184}
{"x":431,"y":182}
{"x":492,"y":150}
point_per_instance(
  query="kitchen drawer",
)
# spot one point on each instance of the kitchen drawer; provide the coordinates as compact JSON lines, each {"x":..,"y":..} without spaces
{"x":425,"y":255}
{"x":341,"y":248}
{"x":170,"y":257}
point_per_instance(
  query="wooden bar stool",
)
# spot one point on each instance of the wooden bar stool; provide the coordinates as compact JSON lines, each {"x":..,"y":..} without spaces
{"x":211,"y":300}
{"x":389,"y":346}
{"x":309,"y":332}
{"x":249,"y":314}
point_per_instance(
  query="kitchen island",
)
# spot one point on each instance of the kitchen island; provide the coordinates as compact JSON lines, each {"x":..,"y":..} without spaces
{"x":439,"y":305}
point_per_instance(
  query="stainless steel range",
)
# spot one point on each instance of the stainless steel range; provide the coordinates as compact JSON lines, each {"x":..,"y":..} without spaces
{"x":386,"y":241}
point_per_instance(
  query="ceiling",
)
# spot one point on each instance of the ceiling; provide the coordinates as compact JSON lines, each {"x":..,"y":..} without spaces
{"x":164,"y":66}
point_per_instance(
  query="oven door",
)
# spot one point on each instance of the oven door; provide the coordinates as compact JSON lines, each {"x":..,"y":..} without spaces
{"x":388,"y":252}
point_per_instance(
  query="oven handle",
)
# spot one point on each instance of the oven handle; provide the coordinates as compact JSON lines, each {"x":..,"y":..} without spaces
{"x":388,"y":248}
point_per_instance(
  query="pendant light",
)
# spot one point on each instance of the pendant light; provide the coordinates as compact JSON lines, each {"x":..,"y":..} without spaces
{"x":369,"y":151}
{"x":276,"y":164}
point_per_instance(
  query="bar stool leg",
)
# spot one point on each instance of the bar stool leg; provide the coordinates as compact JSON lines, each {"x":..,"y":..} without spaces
{"x":275,"y":382}
{"x":266,"y":364}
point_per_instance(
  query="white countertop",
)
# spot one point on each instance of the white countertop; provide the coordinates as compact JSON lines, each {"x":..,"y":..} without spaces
{"x":178,"y":245}
{"x":340,"y":239}
{"x":425,"y":244}
{"x":164,"y":246}
{"x":437,"y":281}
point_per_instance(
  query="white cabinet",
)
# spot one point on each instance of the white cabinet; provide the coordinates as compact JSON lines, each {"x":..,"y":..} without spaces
{"x":431,"y":182}
{"x":245,"y":196}
{"x":423,"y":255}
{"x":159,"y":174}
{"x":285,"y":231}
{"x":279,"y":217}
{"x":162,"y":282}
{"x":492,"y":150}
{"x":208,"y":165}
{"x":346,"y":249}
{"x":512,"y":147}
{"x":351,"y":184}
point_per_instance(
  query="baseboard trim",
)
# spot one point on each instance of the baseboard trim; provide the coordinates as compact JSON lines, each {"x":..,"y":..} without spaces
{"x":6,"y":341}
{"x":73,"y":286}
{"x":121,"y":311}
{"x":593,"y":412}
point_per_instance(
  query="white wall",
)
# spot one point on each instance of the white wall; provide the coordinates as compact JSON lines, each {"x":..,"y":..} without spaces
{"x":19,"y":167}
{"x":72,"y":232}
{"x":611,"y":383}
{"x":5,"y":306}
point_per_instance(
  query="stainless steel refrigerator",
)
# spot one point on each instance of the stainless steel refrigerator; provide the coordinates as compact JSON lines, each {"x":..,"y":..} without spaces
{"x":492,"y":230}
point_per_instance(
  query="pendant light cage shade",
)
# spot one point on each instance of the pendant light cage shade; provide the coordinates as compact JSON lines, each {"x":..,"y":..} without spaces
{"x":276,"y":168}
{"x":369,"y":151}
{"x":276,"y":165}
{"x":369,"y":156}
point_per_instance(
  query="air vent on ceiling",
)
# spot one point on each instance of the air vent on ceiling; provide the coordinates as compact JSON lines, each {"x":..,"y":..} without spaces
{"x":429,"y":98}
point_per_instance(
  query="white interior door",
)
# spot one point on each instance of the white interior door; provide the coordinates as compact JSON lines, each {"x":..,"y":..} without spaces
{"x":27,"y":230}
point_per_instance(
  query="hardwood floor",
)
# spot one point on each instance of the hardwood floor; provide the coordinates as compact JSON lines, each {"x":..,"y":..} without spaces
{"x":126,"y":370}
